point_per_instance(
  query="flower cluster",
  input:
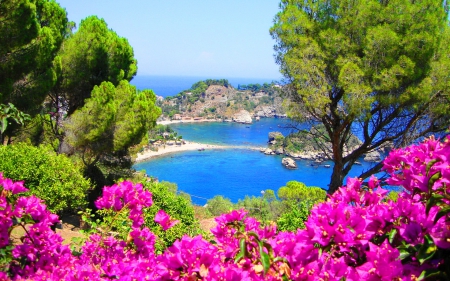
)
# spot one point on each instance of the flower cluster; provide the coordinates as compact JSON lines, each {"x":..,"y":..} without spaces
{"x":357,"y":234}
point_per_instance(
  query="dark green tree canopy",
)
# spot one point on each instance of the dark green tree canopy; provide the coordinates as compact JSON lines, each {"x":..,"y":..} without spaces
{"x":112,"y":120}
{"x":31,"y":33}
{"x":93,"y":54}
{"x":376,"y":67}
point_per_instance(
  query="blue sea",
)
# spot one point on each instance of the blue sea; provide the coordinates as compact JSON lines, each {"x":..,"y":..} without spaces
{"x":238,"y":171}
{"x":171,"y":85}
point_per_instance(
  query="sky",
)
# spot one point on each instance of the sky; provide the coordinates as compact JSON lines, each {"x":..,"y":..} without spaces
{"x":191,"y":37}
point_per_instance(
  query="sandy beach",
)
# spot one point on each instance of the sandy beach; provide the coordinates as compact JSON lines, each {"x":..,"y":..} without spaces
{"x":168,"y":122}
{"x":167,"y":149}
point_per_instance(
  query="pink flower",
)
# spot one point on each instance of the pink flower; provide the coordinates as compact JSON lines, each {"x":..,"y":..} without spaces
{"x":164,"y":220}
{"x":14,"y":187}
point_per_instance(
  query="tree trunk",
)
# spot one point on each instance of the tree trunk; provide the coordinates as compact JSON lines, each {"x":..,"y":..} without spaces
{"x":336,"y":178}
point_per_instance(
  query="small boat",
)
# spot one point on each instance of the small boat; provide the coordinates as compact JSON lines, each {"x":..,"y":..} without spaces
{"x":327,"y":166}
{"x":357,"y":163}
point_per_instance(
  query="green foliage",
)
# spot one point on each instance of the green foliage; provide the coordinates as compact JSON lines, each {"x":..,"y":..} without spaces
{"x":112,"y":120}
{"x":381,"y":66}
{"x":268,"y":88}
{"x":51,"y":177}
{"x":198,"y":90}
{"x":297,"y":199}
{"x":264,"y":208}
{"x":169,"y":110}
{"x":8,"y":112}
{"x":92,"y":55}
{"x":31,"y":33}
{"x":294,"y":216}
{"x":159,"y":130}
{"x":392,"y":195}
{"x":219,"y":205}
{"x":40,"y":130}
{"x":257,"y":207}
{"x":299,"y":192}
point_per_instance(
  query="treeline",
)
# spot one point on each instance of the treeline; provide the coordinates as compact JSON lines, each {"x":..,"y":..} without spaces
{"x":256,"y":87}
{"x":198,"y":89}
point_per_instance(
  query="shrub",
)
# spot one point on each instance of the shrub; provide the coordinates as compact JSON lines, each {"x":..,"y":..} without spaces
{"x":294,"y":216}
{"x":51,"y":177}
{"x":299,"y":192}
{"x":219,"y":205}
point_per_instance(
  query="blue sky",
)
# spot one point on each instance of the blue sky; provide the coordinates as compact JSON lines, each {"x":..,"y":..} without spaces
{"x":191,"y":37}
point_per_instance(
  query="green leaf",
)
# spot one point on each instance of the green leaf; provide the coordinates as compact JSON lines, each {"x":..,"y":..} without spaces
{"x":430,"y":164}
{"x":4,"y":124}
{"x":265,"y":259}
{"x":442,"y":212}
{"x":404,"y":253}
{"x":433,"y":179}
{"x":427,"y":250}
{"x":243,"y":247}
{"x":432,"y":201}
{"x":238,"y":257}
{"x":392,"y":235}
{"x":243,"y":250}
{"x":433,"y":274}
{"x":269,"y":248}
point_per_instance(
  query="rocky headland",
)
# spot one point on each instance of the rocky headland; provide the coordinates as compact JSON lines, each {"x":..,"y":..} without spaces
{"x":218,"y":100}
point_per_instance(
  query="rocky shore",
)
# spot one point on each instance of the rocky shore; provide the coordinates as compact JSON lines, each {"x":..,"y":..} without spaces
{"x":302,"y":147}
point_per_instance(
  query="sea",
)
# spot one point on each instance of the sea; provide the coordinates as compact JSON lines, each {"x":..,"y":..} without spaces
{"x":240,"y":170}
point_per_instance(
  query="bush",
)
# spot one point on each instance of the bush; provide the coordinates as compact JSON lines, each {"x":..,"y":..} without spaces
{"x":294,"y":216}
{"x":299,"y":192}
{"x":219,"y":205}
{"x":51,"y":177}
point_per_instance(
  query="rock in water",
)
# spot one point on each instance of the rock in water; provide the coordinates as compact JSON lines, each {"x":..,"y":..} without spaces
{"x":289,"y":163}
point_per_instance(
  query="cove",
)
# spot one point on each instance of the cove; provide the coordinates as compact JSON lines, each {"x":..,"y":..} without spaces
{"x":235,"y":172}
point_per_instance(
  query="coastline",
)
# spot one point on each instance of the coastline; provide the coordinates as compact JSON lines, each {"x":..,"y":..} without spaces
{"x":167,"y":149}
{"x":168,"y":122}
{"x":148,"y":154}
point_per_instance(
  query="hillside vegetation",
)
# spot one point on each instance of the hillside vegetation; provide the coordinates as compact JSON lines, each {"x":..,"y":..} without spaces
{"x":218,"y":99}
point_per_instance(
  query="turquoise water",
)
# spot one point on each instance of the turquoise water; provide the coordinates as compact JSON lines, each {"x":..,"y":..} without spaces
{"x":236,"y":172}
{"x":224,"y":133}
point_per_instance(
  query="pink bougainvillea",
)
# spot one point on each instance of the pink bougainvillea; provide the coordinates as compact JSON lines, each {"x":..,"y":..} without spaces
{"x":357,"y":234}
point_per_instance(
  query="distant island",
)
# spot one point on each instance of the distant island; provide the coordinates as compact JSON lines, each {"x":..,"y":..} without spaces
{"x":214,"y":99}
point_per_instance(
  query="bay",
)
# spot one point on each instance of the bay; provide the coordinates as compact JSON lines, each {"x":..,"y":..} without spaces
{"x":237,"y":171}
